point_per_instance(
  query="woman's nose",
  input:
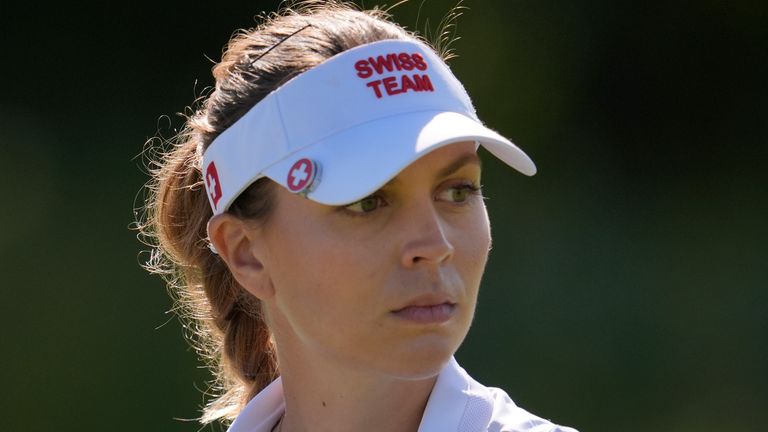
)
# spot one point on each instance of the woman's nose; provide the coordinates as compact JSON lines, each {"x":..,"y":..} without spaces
{"x":426,"y":241}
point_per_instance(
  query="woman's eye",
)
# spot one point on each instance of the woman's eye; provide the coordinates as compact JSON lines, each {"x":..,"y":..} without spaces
{"x":366,"y":205}
{"x":460,"y":193}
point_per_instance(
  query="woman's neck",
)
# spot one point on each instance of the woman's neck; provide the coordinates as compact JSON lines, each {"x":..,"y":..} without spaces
{"x":321,"y":399}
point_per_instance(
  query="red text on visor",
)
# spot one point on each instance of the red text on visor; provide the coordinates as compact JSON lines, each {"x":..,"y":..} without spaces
{"x":393,"y":85}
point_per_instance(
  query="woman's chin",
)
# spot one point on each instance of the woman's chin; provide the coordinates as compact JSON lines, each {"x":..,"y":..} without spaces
{"x":422,"y":363}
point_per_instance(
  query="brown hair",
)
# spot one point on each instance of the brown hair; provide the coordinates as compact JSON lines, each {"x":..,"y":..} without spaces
{"x":223,"y":321}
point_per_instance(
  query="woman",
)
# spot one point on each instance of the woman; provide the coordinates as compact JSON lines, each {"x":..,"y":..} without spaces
{"x":322,"y":217}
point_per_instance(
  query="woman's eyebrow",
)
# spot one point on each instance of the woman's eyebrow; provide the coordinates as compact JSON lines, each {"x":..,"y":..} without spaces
{"x":459,"y":163}
{"x":463,"y":160}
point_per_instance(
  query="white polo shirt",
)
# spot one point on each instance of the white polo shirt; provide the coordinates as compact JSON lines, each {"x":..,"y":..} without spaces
{"x":457,"y":403}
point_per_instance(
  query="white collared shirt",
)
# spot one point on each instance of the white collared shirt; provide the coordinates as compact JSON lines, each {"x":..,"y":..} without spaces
{"x":457,"y":403}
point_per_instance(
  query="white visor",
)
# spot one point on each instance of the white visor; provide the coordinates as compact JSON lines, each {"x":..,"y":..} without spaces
{"x":341,"y":130}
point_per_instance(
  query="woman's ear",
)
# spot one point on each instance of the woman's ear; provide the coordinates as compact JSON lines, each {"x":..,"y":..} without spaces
{"x":237,"y":243}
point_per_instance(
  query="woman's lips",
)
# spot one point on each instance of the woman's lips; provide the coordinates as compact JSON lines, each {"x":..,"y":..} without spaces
{"x":427,"y":314}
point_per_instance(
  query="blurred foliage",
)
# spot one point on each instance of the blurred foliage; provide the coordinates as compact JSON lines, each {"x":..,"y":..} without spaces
{"x":627,"y":285}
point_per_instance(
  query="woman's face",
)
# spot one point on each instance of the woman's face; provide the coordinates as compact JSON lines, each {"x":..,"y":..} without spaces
{"x":387,"y":284}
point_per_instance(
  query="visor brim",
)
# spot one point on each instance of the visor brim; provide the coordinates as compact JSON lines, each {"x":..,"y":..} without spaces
{"x":358,"y":161}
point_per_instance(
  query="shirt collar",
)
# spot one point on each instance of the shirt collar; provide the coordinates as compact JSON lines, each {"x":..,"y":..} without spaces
{"x":263,"y":411}
{"x":457,"y":402}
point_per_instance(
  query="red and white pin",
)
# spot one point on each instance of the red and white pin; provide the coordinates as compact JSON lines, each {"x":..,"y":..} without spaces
{"x":212,"y":184}
{"x":303,"y":176}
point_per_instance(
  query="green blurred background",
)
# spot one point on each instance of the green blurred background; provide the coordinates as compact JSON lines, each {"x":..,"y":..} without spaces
{"x":627,"y":286}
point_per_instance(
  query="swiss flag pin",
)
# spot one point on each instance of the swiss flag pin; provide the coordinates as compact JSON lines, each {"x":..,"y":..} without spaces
{"x":303,"y":176}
